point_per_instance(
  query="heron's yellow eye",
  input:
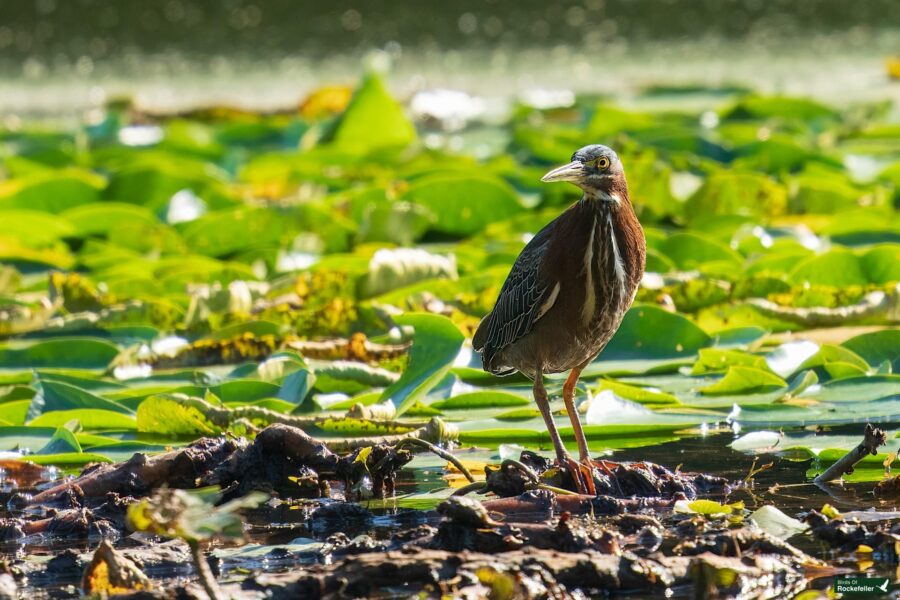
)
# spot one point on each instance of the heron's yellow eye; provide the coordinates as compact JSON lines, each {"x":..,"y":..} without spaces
{"x":602,"y":163}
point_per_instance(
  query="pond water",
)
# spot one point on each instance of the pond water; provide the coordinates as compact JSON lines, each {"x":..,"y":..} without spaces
{"x":268,"y":55}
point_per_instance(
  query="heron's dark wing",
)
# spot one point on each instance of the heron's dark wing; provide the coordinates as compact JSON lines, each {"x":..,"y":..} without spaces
{"x":520,"y":304}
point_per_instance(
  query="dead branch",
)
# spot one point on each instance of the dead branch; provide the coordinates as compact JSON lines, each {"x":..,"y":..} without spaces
{"x":140,"y":474}
{"x":872,"y":439}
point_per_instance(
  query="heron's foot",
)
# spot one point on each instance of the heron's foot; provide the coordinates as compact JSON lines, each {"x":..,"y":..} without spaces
{"x":582,"y":474}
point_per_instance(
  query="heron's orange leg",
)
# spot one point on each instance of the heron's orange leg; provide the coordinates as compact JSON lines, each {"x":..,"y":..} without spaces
{"x":569,"y":398}
{"x":584,"y":480}
{"x":587,"y":466}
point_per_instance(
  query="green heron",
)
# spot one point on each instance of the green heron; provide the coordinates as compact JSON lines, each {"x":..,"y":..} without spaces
{"x":568,"y":291}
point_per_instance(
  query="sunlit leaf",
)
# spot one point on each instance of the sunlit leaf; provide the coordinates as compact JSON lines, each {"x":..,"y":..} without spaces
{"x":435,"y":346}
{"x":740,"y":380}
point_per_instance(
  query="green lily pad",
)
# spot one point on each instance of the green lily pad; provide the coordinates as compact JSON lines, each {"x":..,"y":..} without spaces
{"x":739,"y":380}
{"x":435,"y":346}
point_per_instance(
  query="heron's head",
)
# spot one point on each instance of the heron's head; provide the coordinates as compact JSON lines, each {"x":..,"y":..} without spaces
{"x":597,"y":170}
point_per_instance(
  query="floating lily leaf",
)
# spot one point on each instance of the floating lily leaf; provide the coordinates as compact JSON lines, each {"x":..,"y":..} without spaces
{"x":102,"y":218}
{"x":33,"y":228}
{"x":776,"y":523}
{"x":392,"y":269}
{"x":707,"y":507}
{"x":350,"y":377}
{"x":644,"y":396}
{"x":494,"y":398}
{"x":518,"y":414}
{"x":373,"y":120}
{"x":830,"y":353}
{"x":435,"y":346}
{"x":67,"y":459}
{"x":837,"y":268}
{"x":56,"y":395}
{"x":737,"y":192}
{"x":741,"y":380}
{"x":651,"y":332}
{"x":877,"y":347}
{"x":714,"y":360}
{"x":163,"y":415}
{"x":51,"y":191}
{"x":857,"y":389}
{"x":14,"y":413}
{"x":62,"y":442}
{"x":27,"y":439}
{"x":756,"y":441}
{"x":464,"y":205}
{"x":690,"y":250}
{"x":71,"y":353}
{"x":881,"y":264}
{"x":88,"y":418}
{"x":783,"y":107}
{"x":225,"y":232}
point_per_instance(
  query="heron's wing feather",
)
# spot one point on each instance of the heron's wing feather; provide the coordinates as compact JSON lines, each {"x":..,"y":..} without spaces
{"x":527,"y":294}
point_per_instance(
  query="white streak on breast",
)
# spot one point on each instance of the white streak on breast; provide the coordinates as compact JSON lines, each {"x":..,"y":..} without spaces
{"x":548,"y":303}
{"x":590,"y":292}
{"x":617,"y":257}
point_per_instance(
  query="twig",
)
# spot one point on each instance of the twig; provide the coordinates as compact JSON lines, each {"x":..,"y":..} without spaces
{"x":440,"y":452}
{"x":207,"y":579}
{"x":475,"y":486}
{"x":552,"y":488}
{"x":511,"y":462}
{"x":872,"y":439}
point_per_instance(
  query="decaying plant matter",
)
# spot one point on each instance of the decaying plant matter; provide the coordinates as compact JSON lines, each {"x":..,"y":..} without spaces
{"x":532,"y":539}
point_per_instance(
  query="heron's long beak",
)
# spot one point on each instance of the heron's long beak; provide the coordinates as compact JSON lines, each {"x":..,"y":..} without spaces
{"x":574,"y":171}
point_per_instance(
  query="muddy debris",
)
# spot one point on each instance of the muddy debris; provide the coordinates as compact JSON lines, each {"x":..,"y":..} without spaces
{"x":848,"y":535}
{"x":110,"y":571}
{"x":531,"y":534}
{"x":527,"y":573}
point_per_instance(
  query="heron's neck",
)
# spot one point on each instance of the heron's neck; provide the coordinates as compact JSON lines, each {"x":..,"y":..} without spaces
{"x":611,"y":213}
{"x":611,"y":197}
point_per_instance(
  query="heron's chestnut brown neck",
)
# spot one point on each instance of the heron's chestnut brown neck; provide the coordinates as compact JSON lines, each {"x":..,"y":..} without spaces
{"x":606,"y":192}
{"x":610,"y":204}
